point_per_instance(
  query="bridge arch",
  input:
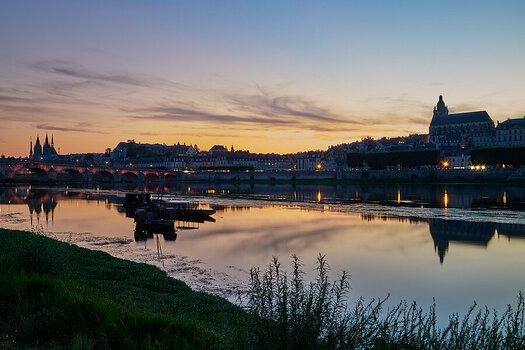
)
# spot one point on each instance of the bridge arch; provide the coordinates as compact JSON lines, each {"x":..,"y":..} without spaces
{"x":102,"y":176}
{"x":151,"y":178}
{"x":37,"y":174}
{"x":170,"y":179}
{"x":129,"y":177}
{"x":76,"y":176}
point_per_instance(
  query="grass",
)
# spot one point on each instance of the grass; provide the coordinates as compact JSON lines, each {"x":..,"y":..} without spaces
{"x":49,"y":312}
{"x":58,"y":296}
{"x":50,"y":280}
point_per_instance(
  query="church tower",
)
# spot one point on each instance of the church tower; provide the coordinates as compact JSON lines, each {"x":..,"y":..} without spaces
{"x":440,"y":109}
{"x":38,"y":147}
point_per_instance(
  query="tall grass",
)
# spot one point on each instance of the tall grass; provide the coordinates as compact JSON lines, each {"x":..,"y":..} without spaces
{"x":294,"y":314}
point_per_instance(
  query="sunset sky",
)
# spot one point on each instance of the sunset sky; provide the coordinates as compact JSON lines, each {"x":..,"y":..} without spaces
{"x":268,"y":76}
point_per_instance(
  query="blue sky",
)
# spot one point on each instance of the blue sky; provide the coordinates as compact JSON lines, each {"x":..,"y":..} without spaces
{"x":269,"y":76}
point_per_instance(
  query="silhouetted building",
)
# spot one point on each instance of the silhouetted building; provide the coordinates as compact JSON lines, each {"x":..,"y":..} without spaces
{"x":472,"y":129}
{"x":511,"y":132}
{"x":45,"y":152}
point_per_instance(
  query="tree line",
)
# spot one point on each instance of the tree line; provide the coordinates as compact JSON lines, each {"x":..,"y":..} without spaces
{"x":514,"y":156}
{"x":381,"y":160}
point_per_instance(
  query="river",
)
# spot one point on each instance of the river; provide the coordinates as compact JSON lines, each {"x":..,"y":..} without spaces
{"x":455,"y":244}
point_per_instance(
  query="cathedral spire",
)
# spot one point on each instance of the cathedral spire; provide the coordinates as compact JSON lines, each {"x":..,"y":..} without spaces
{"x":52,"y":142}
{"x":441,"y":109}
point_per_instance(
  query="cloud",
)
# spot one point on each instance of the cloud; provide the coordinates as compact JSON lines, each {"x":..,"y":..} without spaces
{"x":73,"y":70}
{"x":80,"y":127}
{"x":283,"y":112}
{"x":150,"y":133}
{"x":463,"y":107}
{"x":24,"y":110}
{"x":419,"y":121}
{"x":192,"y":115}
{"x":7,"y":98}
{"x":294,"y":107}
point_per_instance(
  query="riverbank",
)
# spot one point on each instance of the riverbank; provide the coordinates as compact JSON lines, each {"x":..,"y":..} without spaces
{"x":53,"y":294}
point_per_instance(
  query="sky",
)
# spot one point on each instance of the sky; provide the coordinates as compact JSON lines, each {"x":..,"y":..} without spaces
{"x":267,"y":76}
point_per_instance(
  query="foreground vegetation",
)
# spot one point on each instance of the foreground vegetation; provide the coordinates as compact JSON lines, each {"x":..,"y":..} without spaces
{"x":55,"y":295}
{"x":52,"y":293}
{"x":296,"y":315}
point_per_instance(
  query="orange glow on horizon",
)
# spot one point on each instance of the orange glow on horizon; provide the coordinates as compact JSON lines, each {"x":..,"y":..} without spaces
{"x":263,"y":141}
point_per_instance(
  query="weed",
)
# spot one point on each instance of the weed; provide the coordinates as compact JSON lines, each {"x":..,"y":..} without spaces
{"x":290,"y":314}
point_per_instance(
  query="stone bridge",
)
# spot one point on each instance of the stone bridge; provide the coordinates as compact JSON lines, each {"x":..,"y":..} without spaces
{"x":34,"y":171}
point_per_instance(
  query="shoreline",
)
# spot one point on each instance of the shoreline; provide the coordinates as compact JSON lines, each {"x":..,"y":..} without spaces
{"x":427,"y":176}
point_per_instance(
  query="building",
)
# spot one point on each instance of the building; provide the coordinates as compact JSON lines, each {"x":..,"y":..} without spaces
{"x":43,"y":152}
{"x":470,"y":129}
{"x":511,"y":132}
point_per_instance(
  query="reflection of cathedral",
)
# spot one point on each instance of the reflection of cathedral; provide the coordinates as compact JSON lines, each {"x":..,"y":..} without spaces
{"x":445,"y":231}
{"x":45,"y":152}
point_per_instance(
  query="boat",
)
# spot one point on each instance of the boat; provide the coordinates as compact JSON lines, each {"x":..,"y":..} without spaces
{"x":180,"y":210}
{"x":153,"y":220}
{"x":134,"y":201}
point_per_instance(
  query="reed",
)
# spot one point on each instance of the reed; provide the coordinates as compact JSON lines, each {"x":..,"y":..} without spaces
{"x":293,"y":314}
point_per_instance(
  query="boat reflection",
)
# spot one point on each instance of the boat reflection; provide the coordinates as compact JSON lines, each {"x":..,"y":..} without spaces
{"x":143,"y":234}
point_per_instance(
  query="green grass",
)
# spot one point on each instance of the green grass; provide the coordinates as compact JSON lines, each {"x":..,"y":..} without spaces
{"x":45,"y":281}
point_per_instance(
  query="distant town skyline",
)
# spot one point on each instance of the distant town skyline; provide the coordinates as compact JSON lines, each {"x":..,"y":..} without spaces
{"x":272,"y":76}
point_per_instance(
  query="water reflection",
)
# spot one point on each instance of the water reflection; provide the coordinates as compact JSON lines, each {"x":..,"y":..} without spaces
{"x":142,"y":234}
{"x":442,"y":231}
{"x":432,"y":196}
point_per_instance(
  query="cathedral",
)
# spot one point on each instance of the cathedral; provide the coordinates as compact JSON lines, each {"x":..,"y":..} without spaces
{"x":45,"y":152}
{"x":470,"y":129}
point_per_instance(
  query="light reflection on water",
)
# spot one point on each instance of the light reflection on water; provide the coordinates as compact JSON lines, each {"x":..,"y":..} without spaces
{"x":471,"y":247}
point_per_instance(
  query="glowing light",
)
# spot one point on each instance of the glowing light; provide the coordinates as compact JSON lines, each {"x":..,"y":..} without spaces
{"x":319,"y":197}
{"x":398,"y":196}
{"x":445,"y":164}
{"x":445,"y":199}
{"x":504,"y":198}
{"x":319,"y":166}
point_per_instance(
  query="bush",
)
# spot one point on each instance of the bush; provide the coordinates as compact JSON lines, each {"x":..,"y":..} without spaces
{"x":498,"y":155}
{"x":381,"y":160}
